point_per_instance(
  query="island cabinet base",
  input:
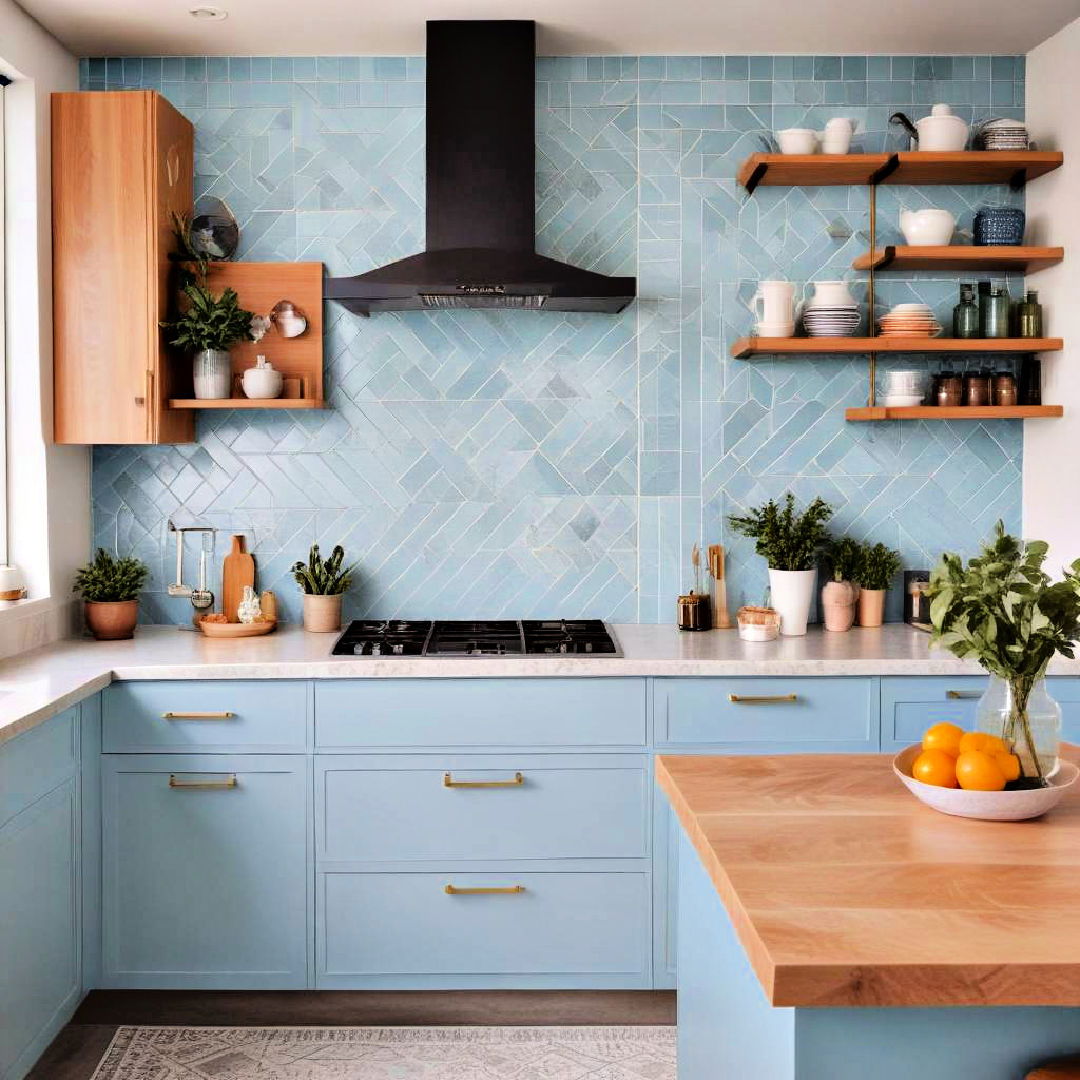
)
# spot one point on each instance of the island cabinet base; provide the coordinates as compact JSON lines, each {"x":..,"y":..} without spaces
{"x":729,"y":1031}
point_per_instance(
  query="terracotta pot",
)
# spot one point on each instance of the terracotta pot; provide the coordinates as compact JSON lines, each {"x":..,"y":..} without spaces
{"x":111,"y":621}
{"x":871,"y":607}
{"x":838,"y":604}
{"x":322,"y":614}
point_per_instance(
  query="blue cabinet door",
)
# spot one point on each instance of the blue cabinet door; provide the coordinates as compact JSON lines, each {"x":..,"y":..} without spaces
{"x":40,"y":902}
{"x":206,"y":871}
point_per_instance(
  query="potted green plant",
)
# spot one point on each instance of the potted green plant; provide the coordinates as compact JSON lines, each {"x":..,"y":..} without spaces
{"x":840,"y":560}
{"x":209,"y":326}
{"x":324,"y":582}
{"x":877,"y":566}
{"x":110,"y":588}
{"x":1003,"y":610}
{"x":789,"y":542}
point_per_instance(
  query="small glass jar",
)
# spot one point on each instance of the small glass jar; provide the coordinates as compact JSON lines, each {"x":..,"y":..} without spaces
{"x":1004,"y":390}
{"x":977,"y":387}
{"x":950,"y":389}
{"x":1001,"y":712}
{"x":966,"y":314}
{"x":994,"y":313}
{"x":694,"y":612}
{"x":1029,"y":316}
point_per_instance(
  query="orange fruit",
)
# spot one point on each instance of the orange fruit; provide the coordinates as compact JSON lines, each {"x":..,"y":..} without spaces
{"x":973,"y":740}
{"x":979,"y":771}
{"x":1009,"y":765}
{"x":994,"y":745}
{"x":943,"y":736}
{"x":935,"y":767}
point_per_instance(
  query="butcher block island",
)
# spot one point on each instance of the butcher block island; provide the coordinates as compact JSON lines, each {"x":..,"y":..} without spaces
{"x":831,"y":927}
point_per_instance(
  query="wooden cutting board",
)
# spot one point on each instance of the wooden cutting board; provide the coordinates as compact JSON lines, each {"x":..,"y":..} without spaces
{"x":238,"y":571}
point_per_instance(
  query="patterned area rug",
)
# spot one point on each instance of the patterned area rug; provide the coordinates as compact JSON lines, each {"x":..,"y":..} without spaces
{"x":402,"y":1053}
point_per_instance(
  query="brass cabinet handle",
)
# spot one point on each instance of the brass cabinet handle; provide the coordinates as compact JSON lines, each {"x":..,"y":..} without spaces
{"x":765,"y":699}
{"x":483,"y":890}
{"x":962,"y":695}
{"x":230,"y":781}
{"x":198,"y":715}
{"x":449,"y":781}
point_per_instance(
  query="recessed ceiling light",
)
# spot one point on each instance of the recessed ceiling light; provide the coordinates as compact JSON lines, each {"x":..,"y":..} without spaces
{"x":214,"y":14}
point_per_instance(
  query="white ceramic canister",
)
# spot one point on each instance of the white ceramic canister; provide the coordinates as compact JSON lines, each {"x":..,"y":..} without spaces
{"x":928,"y":227}
{"x":830,"y":294}
{"x":263,"y":380}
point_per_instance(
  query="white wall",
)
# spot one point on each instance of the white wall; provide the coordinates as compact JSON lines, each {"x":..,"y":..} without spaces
{"x":1052,"y":447}
{"x":49,"y":486}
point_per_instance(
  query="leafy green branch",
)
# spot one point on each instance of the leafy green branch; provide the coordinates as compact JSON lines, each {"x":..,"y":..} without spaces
{"x":785,"y":539}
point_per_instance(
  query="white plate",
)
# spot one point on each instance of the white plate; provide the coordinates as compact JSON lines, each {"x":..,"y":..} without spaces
{"x":986,"y":805}
{"x":902,"y":401}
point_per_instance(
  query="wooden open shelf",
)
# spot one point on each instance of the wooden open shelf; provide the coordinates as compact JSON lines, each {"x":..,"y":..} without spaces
{"x":1020,"y":260}
{"x":908,"y":167}
{"x":246,"y":403}
{"x":961,"y":412}
{"x":747,"y":347}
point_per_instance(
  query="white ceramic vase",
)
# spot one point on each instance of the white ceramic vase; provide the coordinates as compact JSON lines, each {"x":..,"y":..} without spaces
{"x":212,"y":374}
{"x":792,"y":595}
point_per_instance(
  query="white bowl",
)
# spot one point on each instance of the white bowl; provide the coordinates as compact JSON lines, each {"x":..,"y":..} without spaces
{"x":902,"y":401}
{"x":776,"y":329}
{"x":797,"y":141}
{"x":986,"y":805}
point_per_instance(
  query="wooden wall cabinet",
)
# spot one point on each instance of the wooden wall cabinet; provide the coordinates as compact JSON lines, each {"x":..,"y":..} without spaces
{"x":122,"y":162}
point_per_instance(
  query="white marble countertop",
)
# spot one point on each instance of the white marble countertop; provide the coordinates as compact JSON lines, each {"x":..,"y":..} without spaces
{"x":41,"y":683}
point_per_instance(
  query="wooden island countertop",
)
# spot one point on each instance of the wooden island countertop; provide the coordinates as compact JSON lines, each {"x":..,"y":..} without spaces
{"x":844,"y":890}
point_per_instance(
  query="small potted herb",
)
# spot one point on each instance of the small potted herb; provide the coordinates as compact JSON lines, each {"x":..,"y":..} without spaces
{"x":209,"y":327}
{"x":840,"y":560}
{"x":323,"y":582}
{"x":110,"y":590}
{"x":789,"y":542}
{"x":878,"y":565}
{"x":1003,"y":610}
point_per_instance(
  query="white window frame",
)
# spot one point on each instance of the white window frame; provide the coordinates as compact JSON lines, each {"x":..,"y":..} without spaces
{"x":3,"y":347}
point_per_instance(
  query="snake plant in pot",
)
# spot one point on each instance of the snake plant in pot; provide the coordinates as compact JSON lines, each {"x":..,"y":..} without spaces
{"x":110,"y":588}
{"x":323,"y":582}
{"x":1003,"y":610}
{"x":790,"y":542}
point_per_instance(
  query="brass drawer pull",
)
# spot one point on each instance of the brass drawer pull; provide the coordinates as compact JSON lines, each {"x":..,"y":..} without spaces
{"x":483,"y":890}
{"x":449,"y":781}
{"x":766,"y":699}
{"x":198,"y":716}
{"x":230,"y":781}
{"x":962,"y":695}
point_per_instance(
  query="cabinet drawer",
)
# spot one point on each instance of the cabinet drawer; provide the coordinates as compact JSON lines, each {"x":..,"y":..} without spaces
{"x":836,"y":713}
{"x":522,"y":807}
{"x":480,"y":712}
{"x":408,"y":925}
{"x":910,"y":705}
{"x":264,"y":717}
{"x":36,"y":762}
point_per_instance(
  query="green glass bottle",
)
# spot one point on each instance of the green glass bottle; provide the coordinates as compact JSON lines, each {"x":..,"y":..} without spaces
{"x":1029,"y":316}
{"x":965,"y":316}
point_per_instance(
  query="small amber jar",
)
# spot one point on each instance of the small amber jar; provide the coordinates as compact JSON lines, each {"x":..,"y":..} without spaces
{"x":1005,"y":388}
{"x":977,"y":388}
{"x":950,"y":389}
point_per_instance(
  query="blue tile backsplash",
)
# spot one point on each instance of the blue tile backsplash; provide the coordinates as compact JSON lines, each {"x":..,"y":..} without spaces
{"x":524,"y":464}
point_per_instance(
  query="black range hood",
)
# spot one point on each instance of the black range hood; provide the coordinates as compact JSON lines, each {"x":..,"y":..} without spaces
{"x":481,"y":201}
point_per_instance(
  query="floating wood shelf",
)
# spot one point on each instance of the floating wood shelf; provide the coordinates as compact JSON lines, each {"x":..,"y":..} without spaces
{"x":246,"y":403}
{"x":747,"y":347}
{"x":1019,"y":260}
{"x":962,"y":412}
{"x":909,"y":167}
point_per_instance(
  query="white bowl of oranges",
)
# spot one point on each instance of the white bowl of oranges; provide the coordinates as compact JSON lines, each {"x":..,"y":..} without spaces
{"x":966,"y":773}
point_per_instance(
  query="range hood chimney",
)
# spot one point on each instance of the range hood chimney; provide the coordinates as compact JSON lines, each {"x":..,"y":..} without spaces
{"x":481,"y":201}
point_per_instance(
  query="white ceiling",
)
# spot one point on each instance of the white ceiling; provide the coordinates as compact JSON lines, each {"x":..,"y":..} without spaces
{"x":567,"y":27}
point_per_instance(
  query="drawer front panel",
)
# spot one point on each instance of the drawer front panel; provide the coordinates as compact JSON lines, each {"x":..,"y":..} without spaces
{"x":480,"y":712}
{"x":205,"y":871}
{"x":407,"y":924}
{"x":520,"y":807}
{"x":264,"y":717}
{"x":834,"y":713}
{"x":36,"y":762}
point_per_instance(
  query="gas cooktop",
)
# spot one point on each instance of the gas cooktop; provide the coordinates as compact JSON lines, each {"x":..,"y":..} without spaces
{"x":507,"y":637}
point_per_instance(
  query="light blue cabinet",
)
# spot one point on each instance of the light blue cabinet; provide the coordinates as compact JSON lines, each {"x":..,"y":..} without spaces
{"x":40,"y":901}
{"x":206,"y":871}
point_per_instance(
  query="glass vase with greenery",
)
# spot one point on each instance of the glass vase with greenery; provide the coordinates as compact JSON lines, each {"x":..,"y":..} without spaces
{"x":1003,"y":610}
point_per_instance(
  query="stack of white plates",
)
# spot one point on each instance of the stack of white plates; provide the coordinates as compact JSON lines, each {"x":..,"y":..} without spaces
{"x":840,"y":320}
{"x":1005,"y":135}
{"x":909,"y":320}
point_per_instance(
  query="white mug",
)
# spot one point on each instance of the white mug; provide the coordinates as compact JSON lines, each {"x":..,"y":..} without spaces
{"x":777,"y":307}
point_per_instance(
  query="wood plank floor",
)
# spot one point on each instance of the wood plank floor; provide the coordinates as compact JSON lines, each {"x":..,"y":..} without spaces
{"x":75,"y":1052}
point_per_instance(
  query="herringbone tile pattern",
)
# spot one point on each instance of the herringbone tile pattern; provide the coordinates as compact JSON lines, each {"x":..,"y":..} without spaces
{"x":486,"y":463}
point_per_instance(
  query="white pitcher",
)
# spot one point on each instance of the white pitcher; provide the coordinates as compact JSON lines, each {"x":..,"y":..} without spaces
{"x":776,"y":316}
{"x":830,"y":294}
